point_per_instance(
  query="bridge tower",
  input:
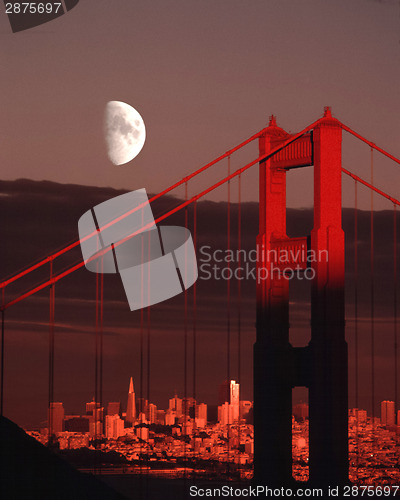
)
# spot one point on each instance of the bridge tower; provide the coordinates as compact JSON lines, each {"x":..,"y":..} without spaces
{"x":322,"y":364}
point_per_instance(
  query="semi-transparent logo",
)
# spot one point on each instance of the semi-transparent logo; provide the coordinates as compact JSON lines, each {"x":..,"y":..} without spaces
{"x":120,"y":236}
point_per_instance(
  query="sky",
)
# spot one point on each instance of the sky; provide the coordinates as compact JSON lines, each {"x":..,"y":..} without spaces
{"x":204,"y":75}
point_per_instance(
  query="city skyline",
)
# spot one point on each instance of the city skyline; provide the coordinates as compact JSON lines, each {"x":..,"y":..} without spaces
{"x":181,"y":406}
{"x":182,"y":434}
{"x":231,"y":409}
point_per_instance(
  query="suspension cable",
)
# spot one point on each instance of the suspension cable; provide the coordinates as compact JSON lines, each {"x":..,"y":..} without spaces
{"x":370,"y":186}
{"x":372,"y":303}
{"x":74,"y":244}
{"x":146,"y":406}
{"x":101,"y":416}
{"x":194,"y":304}
{"x":139,"y":409}
{"x":51,"y":357}
{"x":185,"y":331}
{"x":239,"y":293}
{"x":356,"y":320}
{"x":194,"y":319}
{"x":371,"y":144}
{"x":2,"y":353}
{"x":228,"y":307}
{"x":96,"y":364}
{"x":396,"y":394}
{"x":148,"y":327}
{"x":81,"y":264}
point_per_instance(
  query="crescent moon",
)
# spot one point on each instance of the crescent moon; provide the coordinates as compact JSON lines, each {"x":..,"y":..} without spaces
{"x":125,"y":132}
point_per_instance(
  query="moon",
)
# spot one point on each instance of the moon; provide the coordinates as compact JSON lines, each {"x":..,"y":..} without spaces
{"x":125,"y":132}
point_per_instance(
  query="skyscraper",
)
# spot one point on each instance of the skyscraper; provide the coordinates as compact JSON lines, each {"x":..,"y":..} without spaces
{"x":201,"y":415}
{"x":114,"y":427}
{"x":234,"y":399}
{"x":388,"y":413}
{"x":94,"y":412}
{"x":114,"y":408}
{"x":175,"y":405}
{"x":142,"y":406}
{"x":56,"y":417}
{"x":152,"y":413}
{"x":131,"y":405}
{"x":229,"y":411}
{"x":90,"y":407}
{"x":300,"y":411}
{"x":188,"y":407}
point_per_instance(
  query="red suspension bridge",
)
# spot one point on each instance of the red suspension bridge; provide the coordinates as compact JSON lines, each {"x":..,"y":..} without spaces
{"x":322,"y":365}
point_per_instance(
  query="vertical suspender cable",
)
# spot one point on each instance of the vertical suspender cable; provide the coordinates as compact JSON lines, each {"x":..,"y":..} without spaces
{"x":185,"y":318}
{"x":140,"y":407}
{"x":194,"y":312}
{"x":101,"y":415}
{"x":194,"y":304}
{"x":2,"y":354}
{"x":396,"y":394}
{"x":239,"y":286}
{"x":356,"y":317}
{"x":146,"y":405}
{"x":147,"y":409}
{"x":96,"y":368}
{"x":228,"y":304}
{"x":51,"y":356}
{"x":239,"y":289}
{"x":97,"y":412}
{"x":372,"y":304}
{"x":185,"y":346}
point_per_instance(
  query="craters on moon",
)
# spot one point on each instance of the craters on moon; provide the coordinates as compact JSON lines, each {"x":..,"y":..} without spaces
{"x":125,"y":132}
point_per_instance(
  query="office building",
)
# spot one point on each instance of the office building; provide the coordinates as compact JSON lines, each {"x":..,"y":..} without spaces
{"x":114,"y":427}
{"x":55,"y":415}
{"x":234,"y":399}
{"x":131,"y":405}
{"x":229,"y":412}
{"x":142,"y":406}
{"x":114,"y":408}
{"x":152,"y":413}
{"x":75,"y":423}
{"x":358,"y":416}
{"x":388,"y":413}
{"x":94,"y":412}
{"x":175,"y":405}
{"x":300,"y":412}
{"x":201,"y":415}
{"x":170,"y":417}
{"x":188,"y":407}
